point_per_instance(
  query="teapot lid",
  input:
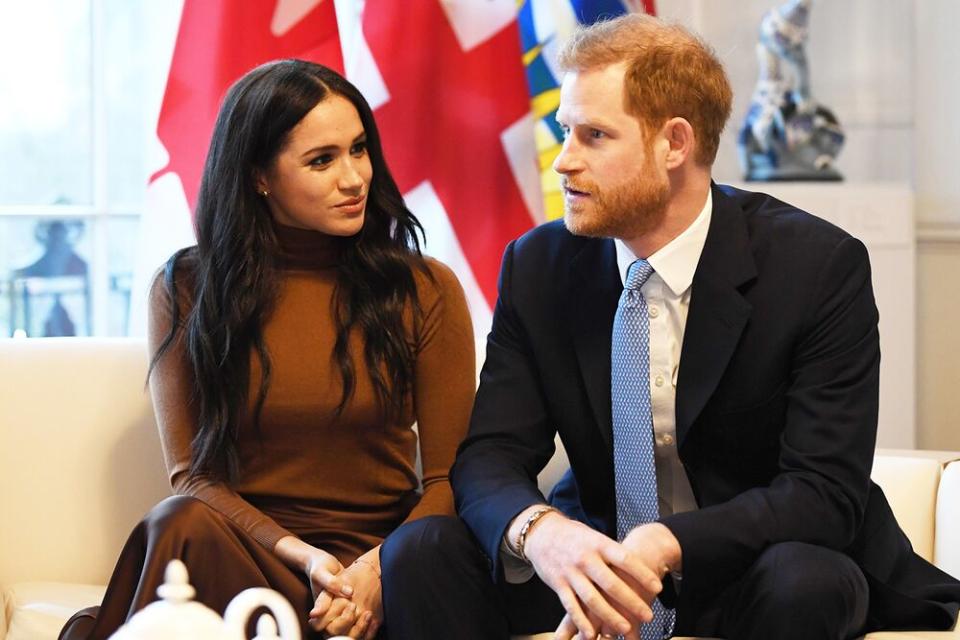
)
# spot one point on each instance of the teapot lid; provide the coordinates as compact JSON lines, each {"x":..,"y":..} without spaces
{"x":175,"y":615}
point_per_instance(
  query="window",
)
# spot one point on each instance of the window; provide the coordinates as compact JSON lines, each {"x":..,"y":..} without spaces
{"x":82,"y":82}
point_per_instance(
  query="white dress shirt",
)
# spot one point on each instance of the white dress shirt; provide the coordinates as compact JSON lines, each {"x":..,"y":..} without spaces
{"x":667,"y":292}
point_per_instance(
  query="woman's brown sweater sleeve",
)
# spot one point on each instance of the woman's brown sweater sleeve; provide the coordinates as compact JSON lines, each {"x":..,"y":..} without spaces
{"x":444,"y":386}
{"x":171,"y":388}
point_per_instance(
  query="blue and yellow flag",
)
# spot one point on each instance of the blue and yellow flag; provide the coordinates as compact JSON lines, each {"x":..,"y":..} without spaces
{"x":544,"y":24}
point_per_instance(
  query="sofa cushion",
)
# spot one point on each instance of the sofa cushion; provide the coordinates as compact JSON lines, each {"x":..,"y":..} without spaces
{"x":37,"y":610}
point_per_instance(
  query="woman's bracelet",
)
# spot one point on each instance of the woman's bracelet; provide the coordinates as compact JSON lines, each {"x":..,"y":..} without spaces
{"x":525,"y":529}
{"x":369,"y":564}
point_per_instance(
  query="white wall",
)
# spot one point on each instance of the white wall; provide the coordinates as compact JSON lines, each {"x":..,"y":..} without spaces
{"x":937,"y":182}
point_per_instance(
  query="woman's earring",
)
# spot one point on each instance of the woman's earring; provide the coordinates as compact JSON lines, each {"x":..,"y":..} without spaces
{"x":265,"y":193}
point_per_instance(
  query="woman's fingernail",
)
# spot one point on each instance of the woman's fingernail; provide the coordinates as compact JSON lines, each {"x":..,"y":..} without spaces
{"x":347,"y":590}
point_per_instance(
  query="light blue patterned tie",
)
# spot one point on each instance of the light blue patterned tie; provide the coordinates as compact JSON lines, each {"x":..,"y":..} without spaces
{"x":633,"y":459}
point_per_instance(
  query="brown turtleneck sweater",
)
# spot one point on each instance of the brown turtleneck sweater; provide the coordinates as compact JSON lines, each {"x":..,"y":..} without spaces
{"x":340,"y":483}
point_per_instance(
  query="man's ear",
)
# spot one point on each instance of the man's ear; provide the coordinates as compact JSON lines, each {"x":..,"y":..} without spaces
{"x":679,"y":134}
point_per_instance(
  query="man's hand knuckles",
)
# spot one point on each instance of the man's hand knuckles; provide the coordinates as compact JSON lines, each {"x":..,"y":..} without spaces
{"x":584,"y":562}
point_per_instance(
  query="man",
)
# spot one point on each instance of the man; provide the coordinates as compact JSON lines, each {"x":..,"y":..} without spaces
{"x":710,"y":360}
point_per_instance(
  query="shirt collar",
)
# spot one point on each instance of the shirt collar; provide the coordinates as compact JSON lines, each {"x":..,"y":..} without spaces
{"x":676,"y":261}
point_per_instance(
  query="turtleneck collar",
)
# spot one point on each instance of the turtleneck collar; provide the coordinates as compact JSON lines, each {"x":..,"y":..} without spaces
{"x":305,"y":249}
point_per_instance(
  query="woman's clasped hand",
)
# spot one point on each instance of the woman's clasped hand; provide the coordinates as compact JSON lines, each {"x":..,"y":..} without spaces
{"x":351,"y":605}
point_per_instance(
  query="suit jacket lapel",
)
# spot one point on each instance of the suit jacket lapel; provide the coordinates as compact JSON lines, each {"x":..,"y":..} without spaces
{"x":718,"y":311}
{"x":595,"y":287}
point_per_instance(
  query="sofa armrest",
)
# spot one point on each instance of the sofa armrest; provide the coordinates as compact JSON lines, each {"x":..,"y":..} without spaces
{"x":910,"y":483}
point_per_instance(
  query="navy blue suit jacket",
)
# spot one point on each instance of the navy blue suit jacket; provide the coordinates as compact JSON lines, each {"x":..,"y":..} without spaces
{"x":776,"y":404}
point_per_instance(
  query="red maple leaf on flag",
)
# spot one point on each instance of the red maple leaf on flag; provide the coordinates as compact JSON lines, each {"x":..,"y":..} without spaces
{"x":443,"y":123}
{"x":219,"y":41}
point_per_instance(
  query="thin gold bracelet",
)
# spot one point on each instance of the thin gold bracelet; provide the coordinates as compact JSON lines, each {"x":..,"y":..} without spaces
{"x":369,"y":564}
{"x":525,"y":529}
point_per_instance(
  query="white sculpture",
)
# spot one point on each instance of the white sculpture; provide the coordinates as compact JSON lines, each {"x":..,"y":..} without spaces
{"x":177,"y":616}
{"x":787,"y":134}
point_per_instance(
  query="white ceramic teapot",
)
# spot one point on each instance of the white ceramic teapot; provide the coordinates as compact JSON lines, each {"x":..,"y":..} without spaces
{"x":177,"y":617}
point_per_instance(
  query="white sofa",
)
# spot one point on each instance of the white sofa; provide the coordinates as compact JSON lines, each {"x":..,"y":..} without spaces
{"x":80,"y":464}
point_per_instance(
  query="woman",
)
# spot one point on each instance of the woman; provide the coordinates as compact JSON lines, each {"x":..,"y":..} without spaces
{"x":293,"y":348}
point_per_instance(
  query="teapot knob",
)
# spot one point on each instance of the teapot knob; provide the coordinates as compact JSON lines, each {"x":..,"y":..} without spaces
{"x":175,"y":615}
{"x":176,"y":585}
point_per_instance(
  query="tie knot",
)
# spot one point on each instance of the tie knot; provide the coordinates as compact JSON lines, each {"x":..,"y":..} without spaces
{"x":637,"y":274}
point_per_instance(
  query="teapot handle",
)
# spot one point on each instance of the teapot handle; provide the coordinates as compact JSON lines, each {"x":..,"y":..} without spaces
{"x":248,"y":600}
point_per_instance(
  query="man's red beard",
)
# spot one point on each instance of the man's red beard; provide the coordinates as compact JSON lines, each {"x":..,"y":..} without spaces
{"x":629,"y":211}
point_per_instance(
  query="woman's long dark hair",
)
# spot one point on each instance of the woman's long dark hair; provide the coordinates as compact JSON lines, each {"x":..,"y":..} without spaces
{"x":236,"y":254}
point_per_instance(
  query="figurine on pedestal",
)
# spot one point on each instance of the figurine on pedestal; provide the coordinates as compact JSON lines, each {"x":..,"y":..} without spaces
{"x":787,"y":135}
